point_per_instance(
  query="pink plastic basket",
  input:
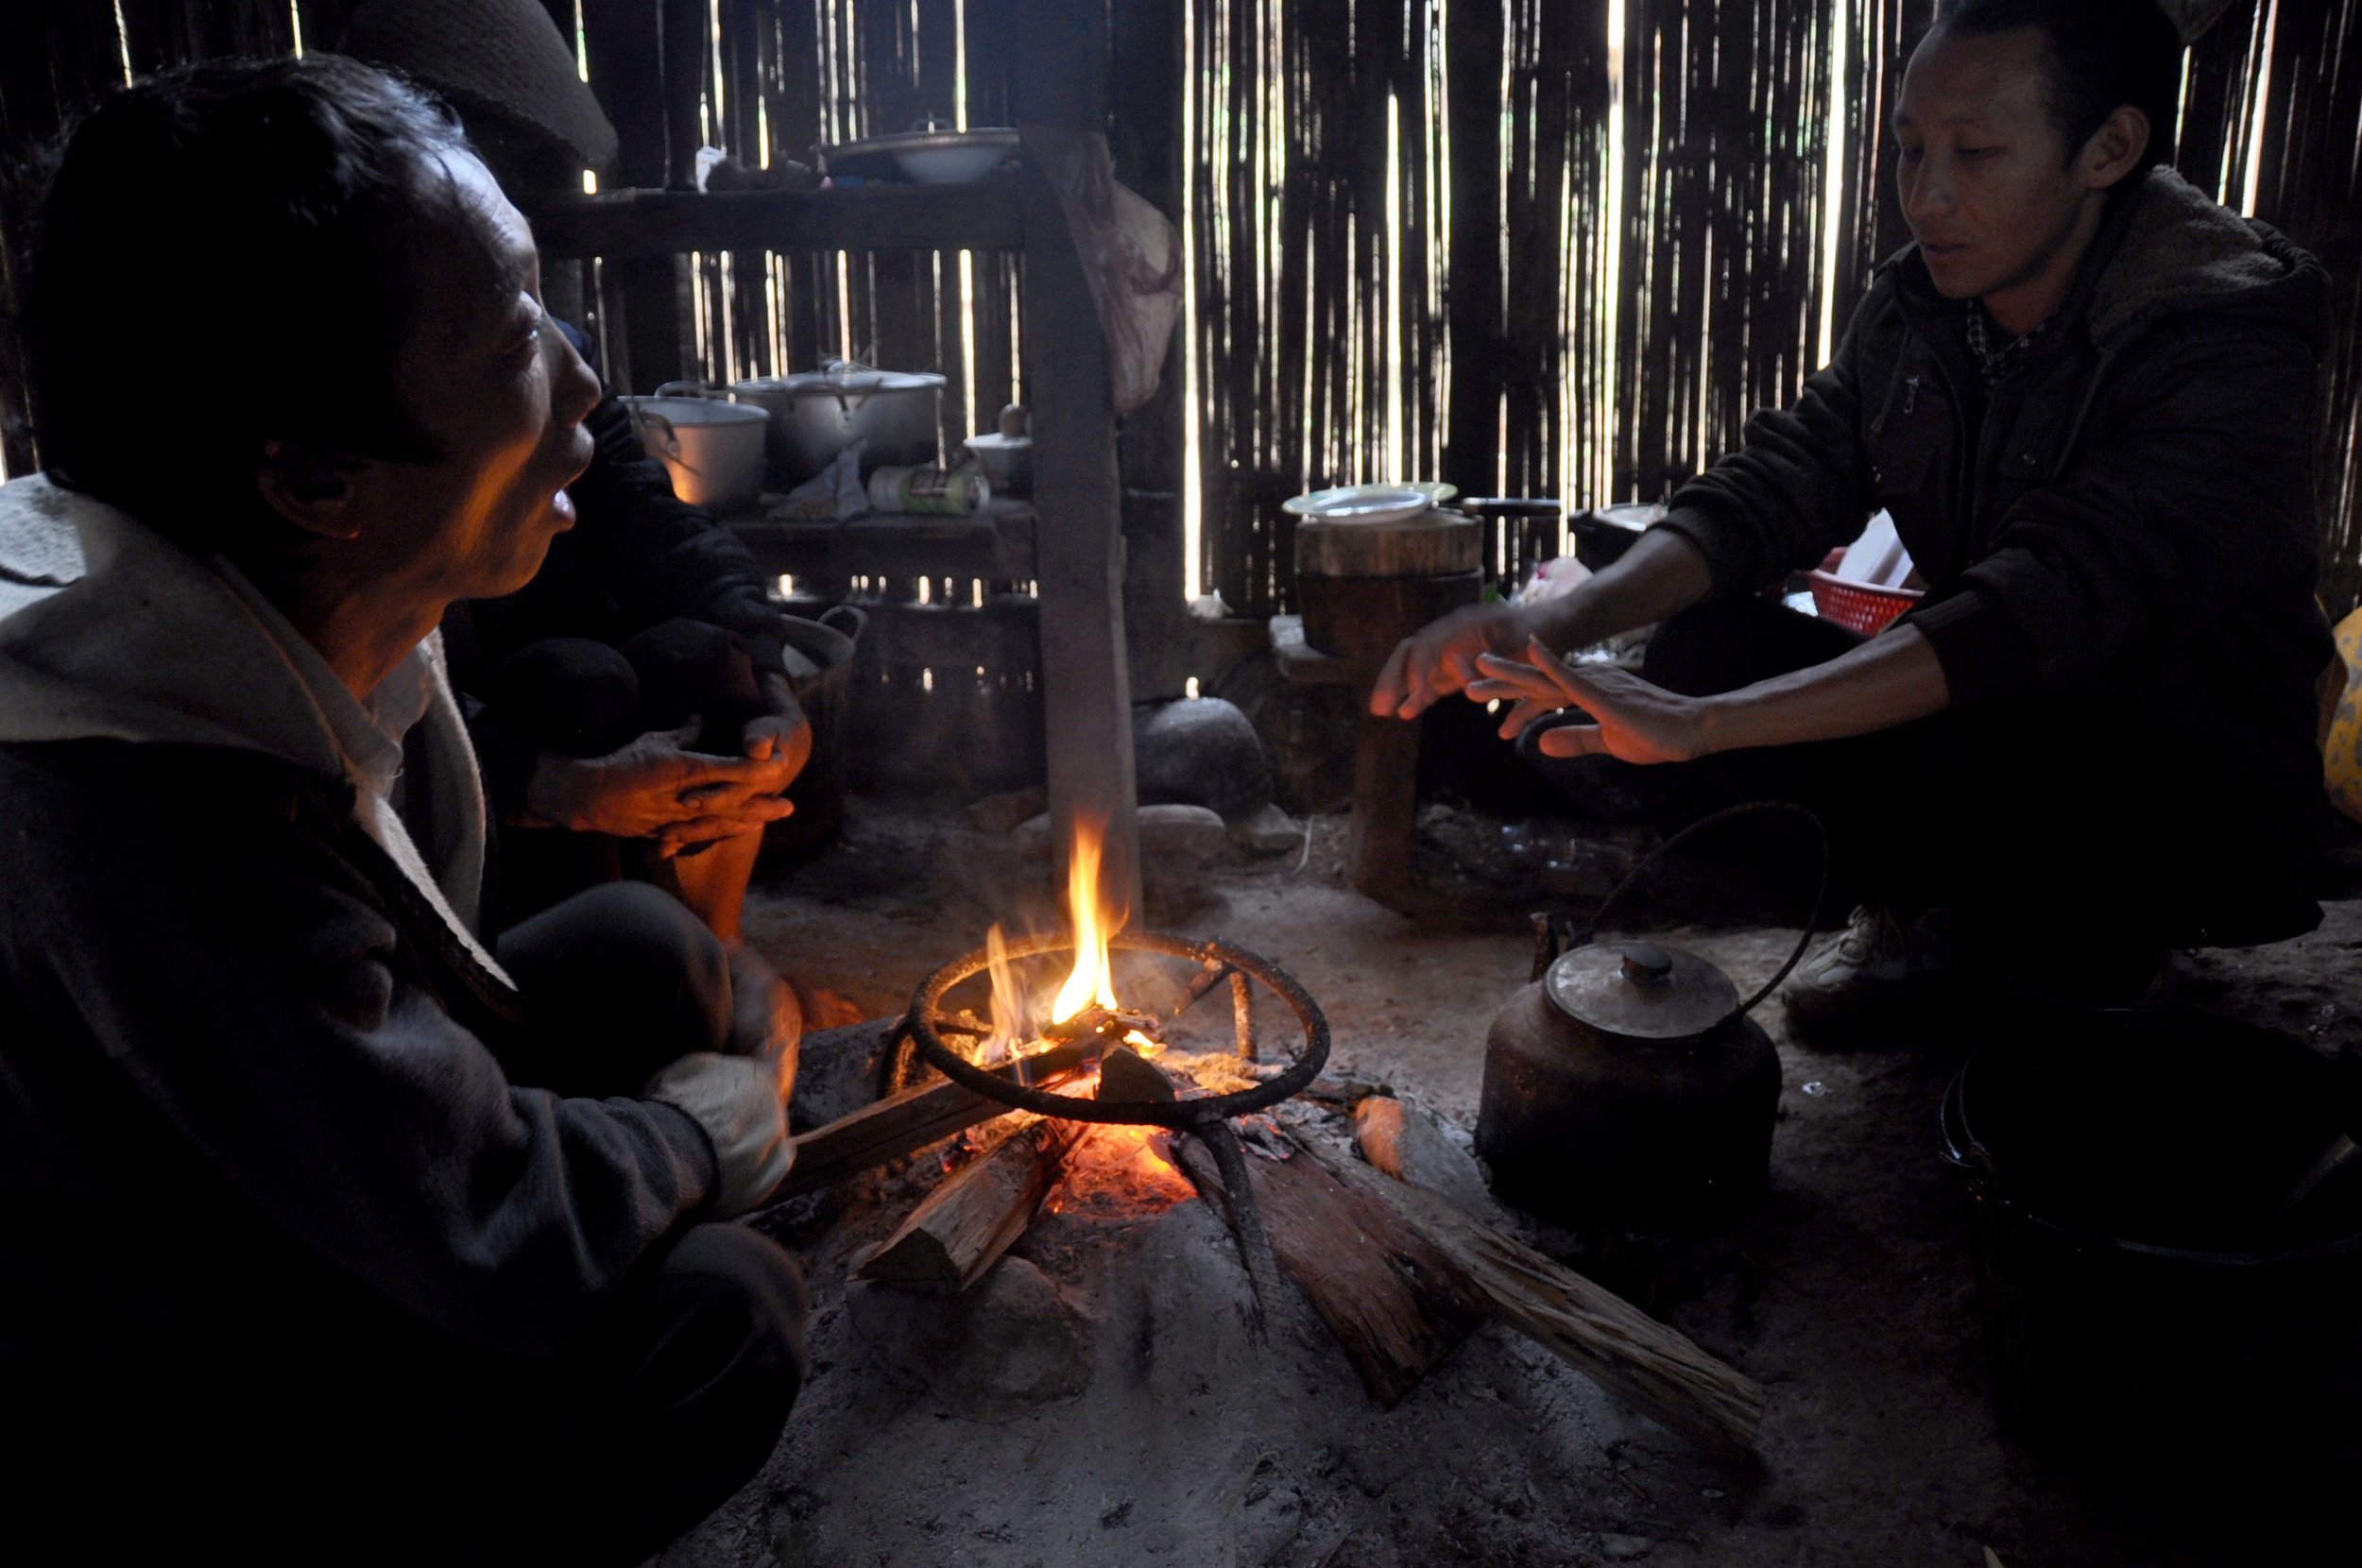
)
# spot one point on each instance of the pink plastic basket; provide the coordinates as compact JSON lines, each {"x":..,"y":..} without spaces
{"x":1856,"y":606}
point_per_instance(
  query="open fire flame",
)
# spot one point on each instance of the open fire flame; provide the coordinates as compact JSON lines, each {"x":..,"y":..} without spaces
{"x":1017,"y":1022}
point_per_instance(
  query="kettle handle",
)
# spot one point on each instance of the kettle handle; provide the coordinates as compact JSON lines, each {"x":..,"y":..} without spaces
{"x":1752,"y":808}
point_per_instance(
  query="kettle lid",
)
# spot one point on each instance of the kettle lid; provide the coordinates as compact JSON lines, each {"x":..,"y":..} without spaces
{"x":1640,"y":989}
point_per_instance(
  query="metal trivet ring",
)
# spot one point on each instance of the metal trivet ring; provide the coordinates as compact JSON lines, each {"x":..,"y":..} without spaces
{"x":1219,"y":961}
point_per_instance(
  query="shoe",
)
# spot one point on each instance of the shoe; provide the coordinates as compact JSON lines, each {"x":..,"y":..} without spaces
{"x":1874,"y":975}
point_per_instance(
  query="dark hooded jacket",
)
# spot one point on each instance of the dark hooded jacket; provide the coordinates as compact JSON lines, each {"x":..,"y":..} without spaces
{"x":2129,"y":519}
{"x":251,"y":1081}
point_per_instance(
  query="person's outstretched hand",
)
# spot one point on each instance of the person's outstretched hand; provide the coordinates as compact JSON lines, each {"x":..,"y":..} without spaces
{"x":1631,"y":719}
{"x":655,"y":788}
{"x":1440,"y":658}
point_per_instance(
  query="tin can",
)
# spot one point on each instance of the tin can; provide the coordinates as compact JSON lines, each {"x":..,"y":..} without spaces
{"x":954,"y":492}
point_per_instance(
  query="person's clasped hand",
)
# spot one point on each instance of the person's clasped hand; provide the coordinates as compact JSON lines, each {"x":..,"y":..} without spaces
{"x":1631,"y":719}
{"x":655,"y":788}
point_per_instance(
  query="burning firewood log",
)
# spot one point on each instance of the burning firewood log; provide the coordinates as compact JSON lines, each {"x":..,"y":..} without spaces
{"x":1650,"y":1366}
{"x":1396,"y":1303}
{"x":961,"y":1229}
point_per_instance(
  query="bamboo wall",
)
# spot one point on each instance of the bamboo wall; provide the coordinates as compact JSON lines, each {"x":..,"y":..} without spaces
{"x":1534,"y":246}
{"x":1563,"y":248}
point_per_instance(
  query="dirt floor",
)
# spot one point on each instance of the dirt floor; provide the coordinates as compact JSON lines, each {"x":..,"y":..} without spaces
{"x":1850,"y":1295}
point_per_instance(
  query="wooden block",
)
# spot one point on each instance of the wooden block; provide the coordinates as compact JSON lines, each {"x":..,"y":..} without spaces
{"x":976,"y":1214}
{"x":1434,"y":544}
{"x":1365,"y":617}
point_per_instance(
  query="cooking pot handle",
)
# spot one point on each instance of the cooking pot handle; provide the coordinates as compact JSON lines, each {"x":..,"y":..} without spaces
{"x":690,"y":389}
{"x":1961,"y":1150}
{"x":859,"y":616}
{"x":1752,"y":808}
{"x":668,"y":439}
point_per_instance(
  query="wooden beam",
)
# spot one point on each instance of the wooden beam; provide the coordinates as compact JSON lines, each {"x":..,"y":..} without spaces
{"x":906,"y":1123}
{"x":997,"y":546}
{"x":981,"y":216}
{"x":976,"y":1214}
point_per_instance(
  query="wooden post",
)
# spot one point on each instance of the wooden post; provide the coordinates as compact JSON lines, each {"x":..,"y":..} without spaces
{"x":622,"y":45}
{"x":1147,"y":64}
{"x":1086,"y":684}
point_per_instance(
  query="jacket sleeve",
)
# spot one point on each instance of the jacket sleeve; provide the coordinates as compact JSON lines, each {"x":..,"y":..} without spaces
{"x":249,"y":990}
{"x":1796,"y":488}
{"x":658,"y":555}
{"x":2191,"y":491}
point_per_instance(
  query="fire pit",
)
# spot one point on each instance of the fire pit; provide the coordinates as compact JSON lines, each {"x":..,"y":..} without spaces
{"x":1399,"y":1276}
{"x":1088,"y":1033}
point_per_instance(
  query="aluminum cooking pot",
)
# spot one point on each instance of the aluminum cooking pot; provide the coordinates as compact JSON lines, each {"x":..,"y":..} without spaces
{"x":712,"y":450}
{"x":817,"y":413}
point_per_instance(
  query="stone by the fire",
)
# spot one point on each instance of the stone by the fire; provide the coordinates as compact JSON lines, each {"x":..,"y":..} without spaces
{"x":1013,"y":1343}
{"x":1173,"y":838}
{"x":1201,"y":751}
{"x":1008,"y":811}
{"x":1269,"y":831}
{"x":837,"y":1072}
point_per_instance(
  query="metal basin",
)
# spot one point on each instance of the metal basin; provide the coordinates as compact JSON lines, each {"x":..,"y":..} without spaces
{"x":817,"y":413}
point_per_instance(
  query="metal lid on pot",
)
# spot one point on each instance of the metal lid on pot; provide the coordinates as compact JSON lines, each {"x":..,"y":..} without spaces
{"x":1641,"y":990}
{"x":849,"y":381}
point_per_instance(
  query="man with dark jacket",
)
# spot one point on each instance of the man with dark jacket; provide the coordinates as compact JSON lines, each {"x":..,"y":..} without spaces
{"x":2086,"y":395}
{"x":335,"y":1229}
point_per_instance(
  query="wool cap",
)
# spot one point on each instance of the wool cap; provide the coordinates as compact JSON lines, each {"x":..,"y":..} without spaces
{"x":502,"y":58}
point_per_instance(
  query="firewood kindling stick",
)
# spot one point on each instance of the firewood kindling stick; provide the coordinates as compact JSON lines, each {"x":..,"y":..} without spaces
{"x":911,"y":1120}
{"x":1647,"y":1364}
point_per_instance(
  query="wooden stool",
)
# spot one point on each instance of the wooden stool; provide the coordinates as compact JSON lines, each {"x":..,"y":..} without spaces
{"x":1364,"y":587}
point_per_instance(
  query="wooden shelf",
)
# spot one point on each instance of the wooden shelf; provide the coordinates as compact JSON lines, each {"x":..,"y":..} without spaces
{"x":986,"y":215}
{"x":996,"y":544}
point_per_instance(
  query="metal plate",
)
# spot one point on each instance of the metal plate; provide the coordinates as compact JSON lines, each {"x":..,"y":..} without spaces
{"x":1592,"y":985}
{"x":1368,"y":503}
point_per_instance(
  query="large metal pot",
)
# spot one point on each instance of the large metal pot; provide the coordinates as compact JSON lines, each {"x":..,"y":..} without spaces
{"x":817,"y":413}
{"x":712,"y":450}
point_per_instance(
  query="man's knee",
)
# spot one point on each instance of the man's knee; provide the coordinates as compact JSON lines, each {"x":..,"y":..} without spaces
{"x":729,"y":1306}
{"x":622,"y":979}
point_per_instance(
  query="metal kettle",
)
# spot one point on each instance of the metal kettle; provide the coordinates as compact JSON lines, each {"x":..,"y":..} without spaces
{"x":1627,"y":1086}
